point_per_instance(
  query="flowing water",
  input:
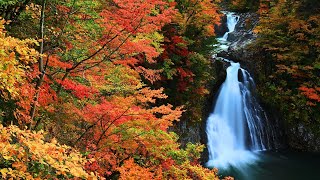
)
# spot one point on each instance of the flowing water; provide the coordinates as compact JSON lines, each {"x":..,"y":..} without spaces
{"x":232,"y":20}
{"x":237,"y":128}
{"x":240,"y":138}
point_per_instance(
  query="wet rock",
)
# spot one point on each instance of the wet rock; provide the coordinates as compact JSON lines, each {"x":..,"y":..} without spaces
{"x":187,"y":132}
{"x":243,"y":35}
{"x":222,"y":27}
{"x":300,"y":137}
{"x":240,"y":39}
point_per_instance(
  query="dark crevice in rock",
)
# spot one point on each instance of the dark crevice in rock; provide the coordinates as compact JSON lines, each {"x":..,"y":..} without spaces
{"x":222,"y":27}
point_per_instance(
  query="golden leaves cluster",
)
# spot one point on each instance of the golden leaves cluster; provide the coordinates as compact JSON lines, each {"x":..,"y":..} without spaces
{"x":26,"y":155}
{"x":16,"y":56}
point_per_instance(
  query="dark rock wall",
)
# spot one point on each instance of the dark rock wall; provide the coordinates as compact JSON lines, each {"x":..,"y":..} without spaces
{"x":222,"y":27}
{"x":301,"y":138}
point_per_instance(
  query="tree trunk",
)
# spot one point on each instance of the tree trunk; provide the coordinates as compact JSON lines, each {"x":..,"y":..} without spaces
{"x":41,"y":68}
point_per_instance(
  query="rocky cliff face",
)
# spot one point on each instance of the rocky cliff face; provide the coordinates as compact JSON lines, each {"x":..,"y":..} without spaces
{"x":301,"y":138}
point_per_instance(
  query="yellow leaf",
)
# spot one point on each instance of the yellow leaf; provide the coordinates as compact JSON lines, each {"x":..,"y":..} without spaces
{"x":4,"y":172}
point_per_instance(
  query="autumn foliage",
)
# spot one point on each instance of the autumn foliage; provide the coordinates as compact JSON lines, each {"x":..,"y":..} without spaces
{"x":287,"y":57}
{"x":26,"y":155}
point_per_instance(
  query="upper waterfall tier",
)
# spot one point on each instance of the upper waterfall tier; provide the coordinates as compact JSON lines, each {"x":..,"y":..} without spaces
{"x":232,"y":20}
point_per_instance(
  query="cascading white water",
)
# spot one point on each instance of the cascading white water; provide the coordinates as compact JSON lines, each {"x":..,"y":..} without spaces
{"x":226,"y":126}
{"x":232,"y":20}
{"x":238,"y":127}
{"x":261,"y":132}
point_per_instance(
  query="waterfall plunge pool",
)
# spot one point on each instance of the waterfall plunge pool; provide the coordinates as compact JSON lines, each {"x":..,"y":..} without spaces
{"x":280,"y":165}
{"x":228,"y":150}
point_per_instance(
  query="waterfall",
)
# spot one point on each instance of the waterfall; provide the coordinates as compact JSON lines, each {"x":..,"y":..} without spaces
{"x":232,"y":20}
{"x":237,"y":128}
{"x":261,"y":132}
{"x":226,"y":126}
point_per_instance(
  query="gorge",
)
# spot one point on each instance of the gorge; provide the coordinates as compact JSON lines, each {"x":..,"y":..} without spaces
{"x":241,"y":139}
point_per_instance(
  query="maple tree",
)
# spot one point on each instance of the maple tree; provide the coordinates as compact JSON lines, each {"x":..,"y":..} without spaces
{"x":91,"y":79}
{"x":293,"y":51}
{"x":16,"y":59}
{"x":185,"y":63}
{"x":121,"y":28}
{"x":201,"y":14}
